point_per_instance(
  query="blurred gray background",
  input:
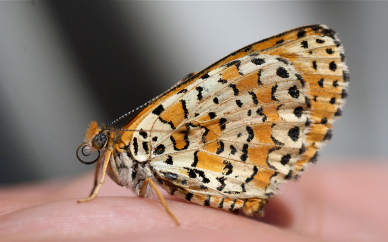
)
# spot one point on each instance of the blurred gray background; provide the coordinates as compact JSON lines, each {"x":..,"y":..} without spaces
{"x":65,"y":63}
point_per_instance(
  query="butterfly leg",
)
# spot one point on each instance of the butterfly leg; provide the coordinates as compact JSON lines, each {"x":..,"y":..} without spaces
{"x":164,"y":203}
{"x":96,"y":176}
{"x":98,"y":184}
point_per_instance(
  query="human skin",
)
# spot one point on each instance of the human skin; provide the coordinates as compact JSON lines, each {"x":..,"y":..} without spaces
{"x":331,"y":202}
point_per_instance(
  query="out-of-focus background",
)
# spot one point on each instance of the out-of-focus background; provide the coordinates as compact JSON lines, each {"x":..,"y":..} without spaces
{"x":65,"y":63}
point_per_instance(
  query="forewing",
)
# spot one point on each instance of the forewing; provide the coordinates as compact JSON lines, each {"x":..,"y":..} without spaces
{"x":250,"y":121}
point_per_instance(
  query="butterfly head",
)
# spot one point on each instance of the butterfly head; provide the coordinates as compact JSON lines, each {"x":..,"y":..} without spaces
{"x":96,"y":140}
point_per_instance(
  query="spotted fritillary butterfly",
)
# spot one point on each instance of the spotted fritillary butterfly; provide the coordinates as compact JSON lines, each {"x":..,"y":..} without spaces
{"x":229,"y":135}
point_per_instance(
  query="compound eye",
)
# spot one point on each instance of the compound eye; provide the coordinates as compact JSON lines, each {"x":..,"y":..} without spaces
{"x":99,"y":141}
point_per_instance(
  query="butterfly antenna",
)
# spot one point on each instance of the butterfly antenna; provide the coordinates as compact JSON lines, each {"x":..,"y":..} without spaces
{"x":145,"y":104}
{"x":132,"y":111}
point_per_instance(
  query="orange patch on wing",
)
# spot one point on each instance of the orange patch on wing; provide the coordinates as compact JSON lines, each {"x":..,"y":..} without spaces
{"x":263,"y":178}
{"x":264,"y":94}
{"x":249,"y":82}
{"x":210,"y":162}
{"x":258,"y":155}
{"x":231,"y":73}
{"x":180,"y":137}
{"x":271,"y":112}
{"x":254,"y":205}
{"x":175,"y":114}
{"x":263,"y":133}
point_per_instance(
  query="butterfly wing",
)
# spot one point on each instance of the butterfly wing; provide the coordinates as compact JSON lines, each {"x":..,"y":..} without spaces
{"x":229,"y":135}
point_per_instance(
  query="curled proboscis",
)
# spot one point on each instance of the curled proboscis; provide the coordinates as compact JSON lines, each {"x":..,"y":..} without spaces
{"x":83,"y":154}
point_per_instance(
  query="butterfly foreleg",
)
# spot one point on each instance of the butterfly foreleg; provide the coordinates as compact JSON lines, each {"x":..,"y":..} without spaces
{"x":98,"y":184}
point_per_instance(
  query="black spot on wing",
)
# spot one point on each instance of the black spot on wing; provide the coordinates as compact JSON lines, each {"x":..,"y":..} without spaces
{"x":254,"y":173}
{"x":221,"y":205}
{"x":328,"y":135}
{"x":228,"y":168}
{"x":342,"y":57}
{"x":243,"y":187}
{"x":223,"y":123}
{"x":314,"y":158}
{"x":185,"y":111}
{"x":221,"y":180}
{"x":344,"y":94}
{"x":170,"y":175}
{"x":254,"y":98}
{"x":338,"y":112}
{"x":300,"y":78}
{"x":135,"y":146}
{"x":333,"y":66}
{"x":294,"y":91}
{"x":235,"y":62}
{"x":301,"y":33}
{"x":194,"y":173}
{"x":298,"y":111}
{"x":260,"y":111}
{"x":206,"y":76}
{"x":212,"y":115}
{"x":330,"y":51}
{"x":182,"y":91}
{"x":304,"y":44}
{"x":145,"y":147}
{"x":169,"y":160}
{"x":143,"y":133}
{"x":258,"y":61}
{"x":207,"y":201}
{"x":233,"y":150}
{"x":239,"y":103}
{"x":251,"y":134}
{"x":282,"y":60}
{"x":320,"y":82}
{"x":282,"y":72}
{"x":223,"y":81}
{"x":221,"y":147}
{"x":273,"y":92}
{"x":235,"y":90}
{"x":158,"y":110}
{"x":195,"y":161}
{"x":159,"y":149}
{"x":308,"y":102}
{"x":244,"y":155}
{"x":199,"y":90}
{"x":233,"y":205}
{"x":189,"y":196}
{"x":315,"y":65}
{"x":285,"y":159}
{"x":294,"y":133}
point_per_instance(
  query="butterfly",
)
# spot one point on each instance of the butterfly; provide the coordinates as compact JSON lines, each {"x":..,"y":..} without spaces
{"x":228,"y":136}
